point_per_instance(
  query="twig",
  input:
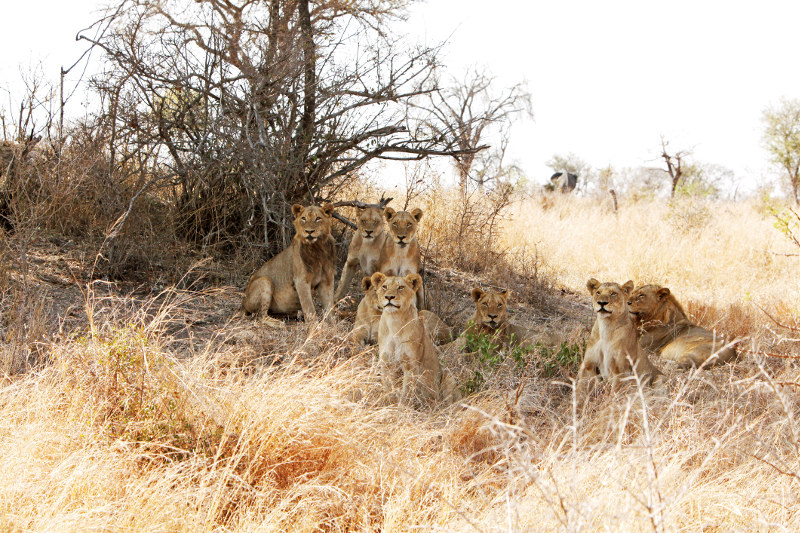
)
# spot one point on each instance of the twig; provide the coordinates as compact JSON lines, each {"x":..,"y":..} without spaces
{"x":360,"y":205}
{"x":790,"y":328}
{"x":770,"y":354}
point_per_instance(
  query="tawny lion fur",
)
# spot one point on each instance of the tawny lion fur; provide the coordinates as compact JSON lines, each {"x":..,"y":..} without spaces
{"x":400,"y":254}
{"x":285,"y":283}
{"x":666,"y":330}
{"x":490,"y":318}
{"x":368,"y":315}
{"x":613,"y":349}
{"x":365,"y":248}
{"x":405,"y":346}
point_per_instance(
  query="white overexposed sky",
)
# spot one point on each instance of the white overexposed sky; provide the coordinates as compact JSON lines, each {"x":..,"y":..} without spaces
{"x":607,"y":78}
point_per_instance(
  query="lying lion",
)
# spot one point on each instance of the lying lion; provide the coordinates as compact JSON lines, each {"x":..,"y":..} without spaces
{"x":666,"y":330}
{"x":405,"y":346}
{"x":284,"y":284}
{"x":365,"y":248}
{"x":400,"y":255}
{"x":613,"y":349}
{"x":490,"y":318}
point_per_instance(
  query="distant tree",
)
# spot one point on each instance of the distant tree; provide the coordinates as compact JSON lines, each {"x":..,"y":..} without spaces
{"x":782,"y":140}
{"x":678,"y":167}
{"x":568,"y":163}
{"x":467,"y":110}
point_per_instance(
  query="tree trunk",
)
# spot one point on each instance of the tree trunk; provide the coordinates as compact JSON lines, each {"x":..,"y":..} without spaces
{"x":309,"y":85}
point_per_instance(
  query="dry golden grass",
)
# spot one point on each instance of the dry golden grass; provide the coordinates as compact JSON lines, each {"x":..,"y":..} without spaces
{"x":290,"y":432}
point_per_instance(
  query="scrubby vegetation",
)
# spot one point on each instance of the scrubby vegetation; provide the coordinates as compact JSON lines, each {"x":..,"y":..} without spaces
{"x":132,"y":407}
{"x":130,"y":400}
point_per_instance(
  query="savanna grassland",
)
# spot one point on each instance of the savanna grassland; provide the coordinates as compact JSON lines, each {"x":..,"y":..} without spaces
{"x":144,"y":408}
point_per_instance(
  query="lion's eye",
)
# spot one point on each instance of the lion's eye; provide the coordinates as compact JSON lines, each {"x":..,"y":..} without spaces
{"x":408,"y":226}
{"x":394,"y":225}
{"x":500,"y":306}
{"x":485,"y":304}
{"x":318,"y":219}
{"x":303,"y":219}
{"x":400,"y":288}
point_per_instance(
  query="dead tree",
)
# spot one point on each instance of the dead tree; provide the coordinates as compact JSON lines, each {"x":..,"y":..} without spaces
{"x":243,"y":108}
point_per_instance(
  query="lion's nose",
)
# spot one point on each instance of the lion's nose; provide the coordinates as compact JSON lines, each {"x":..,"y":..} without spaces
{"x":369,"y":232}
{"x":389,"y":297}
{"x":310,"y":231}
{"x":492,"y":316}
{"x":602,"y":304}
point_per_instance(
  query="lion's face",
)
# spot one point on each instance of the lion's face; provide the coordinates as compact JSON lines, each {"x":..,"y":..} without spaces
{"x":402,"y":224}
{"x":490,"y":307}
{"x":396,"y":293}
{"x":369,"y":293}
{"x":312,"y":223}
{"x":643,"y":302}
{"x":609,"y":300}
{"x":370,"y":223}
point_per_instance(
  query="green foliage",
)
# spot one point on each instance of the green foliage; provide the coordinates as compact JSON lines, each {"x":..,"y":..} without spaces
{"x":535,"y":359}
{"x":788,"y":223}
{"x":565,"y":357}
{"x":782,"y":140}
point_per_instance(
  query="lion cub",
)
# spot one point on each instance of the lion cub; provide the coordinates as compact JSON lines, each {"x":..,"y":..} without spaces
{"x":368,"y":315}
{"x":405,"y":346}
{"x":400,"y":253}
{"x":284,"y":283}
{"x":613,"y":348}
{"x":365,"y":248}
{"x":490,"y":318}
{"x":666,"y":330}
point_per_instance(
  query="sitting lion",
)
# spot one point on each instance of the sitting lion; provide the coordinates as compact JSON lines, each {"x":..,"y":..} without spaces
{"x":613,"y":348}
{"x":400,"y":254}
{"x":284,"y":283}
{"x":405,"y":346}
{"x":666,"y":330}
{"x":368,"y":315}
{"x":365,"y":248}
{"x":490,"y":319}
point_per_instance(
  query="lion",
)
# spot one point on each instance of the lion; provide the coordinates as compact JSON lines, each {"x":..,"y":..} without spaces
{"x":666,"y":330}
{"x":284,"y":284}
{"x":613,"y":348}
{"x":405,"y":346}
{"x":368,"y":315}
{"x":490,"y":318}
{"x":400,"y":254}
{"x":365,"y":248}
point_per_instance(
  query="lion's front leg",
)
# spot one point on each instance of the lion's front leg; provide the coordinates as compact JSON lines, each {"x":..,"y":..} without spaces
{"x":325,"y":293}
{"x":303,"y":288}
{"x":347,"y":276}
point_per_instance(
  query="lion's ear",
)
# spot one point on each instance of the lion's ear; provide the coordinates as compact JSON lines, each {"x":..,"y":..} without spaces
{"x":592,"y":284}
{"x":417,"y":214}
{"x":366,"y":283}
{"x":388,"y":213}
{"x":415,"y":281}
{"x":662,"y":293}
{"x":505,"y":293}
{"x":377,"y":278}
{"x":476,"y":294}
{"x":297,"y":209}
{"x":328,"y":209}
{"x":627,"y":287}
